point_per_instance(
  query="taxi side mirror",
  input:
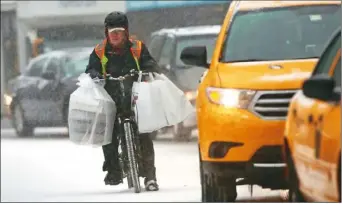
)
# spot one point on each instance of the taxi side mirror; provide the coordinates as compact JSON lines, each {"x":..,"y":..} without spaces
{"x":195,"y":56}
{"x":321,"y":87}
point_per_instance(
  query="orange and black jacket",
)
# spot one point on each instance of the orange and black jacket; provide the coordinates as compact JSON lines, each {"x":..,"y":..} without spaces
{"x":120,"y":63}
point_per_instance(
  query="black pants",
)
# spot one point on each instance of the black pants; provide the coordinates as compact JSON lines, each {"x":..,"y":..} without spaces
{"x":111,"y":155}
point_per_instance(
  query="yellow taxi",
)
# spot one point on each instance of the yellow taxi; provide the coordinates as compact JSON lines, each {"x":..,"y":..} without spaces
{"x":313,"y":132}
{"x":263,"y":53}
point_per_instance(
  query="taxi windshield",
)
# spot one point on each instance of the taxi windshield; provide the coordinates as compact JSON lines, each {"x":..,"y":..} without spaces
{"x":280,"y":33}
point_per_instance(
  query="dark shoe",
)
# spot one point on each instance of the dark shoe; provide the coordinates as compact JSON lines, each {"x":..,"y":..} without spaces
{"x":113,"y":179}
{"x":151,"y":185}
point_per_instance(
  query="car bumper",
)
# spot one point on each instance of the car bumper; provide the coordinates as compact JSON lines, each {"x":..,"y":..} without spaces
{"x":264,"y":168}
{"x":235,"y":135}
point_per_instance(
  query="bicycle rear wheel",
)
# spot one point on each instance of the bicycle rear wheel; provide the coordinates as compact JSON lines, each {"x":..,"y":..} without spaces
{"x":132,"y":160}
{"x":125,"y":168}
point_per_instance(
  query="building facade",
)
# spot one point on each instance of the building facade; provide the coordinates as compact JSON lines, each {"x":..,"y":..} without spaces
{"x":61,"y":23}
{"x":9,"y":52}
{"x":148,"y":16}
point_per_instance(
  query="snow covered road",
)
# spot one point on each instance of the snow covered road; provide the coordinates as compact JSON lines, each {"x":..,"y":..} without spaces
{"x":52,"y":169}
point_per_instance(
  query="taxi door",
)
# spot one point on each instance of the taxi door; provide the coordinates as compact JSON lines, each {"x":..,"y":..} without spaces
{"x":327,"y":134}
{"x":311,"y":116}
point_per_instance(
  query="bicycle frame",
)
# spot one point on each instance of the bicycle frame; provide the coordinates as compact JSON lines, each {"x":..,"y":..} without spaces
{"x":131,"y":158}
{"x":130,"y":119}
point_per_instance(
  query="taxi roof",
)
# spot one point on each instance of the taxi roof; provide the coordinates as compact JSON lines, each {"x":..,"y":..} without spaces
{"x":252,"y":5}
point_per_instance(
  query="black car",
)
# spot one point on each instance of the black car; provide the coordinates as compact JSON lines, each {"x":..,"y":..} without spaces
{"x":40,"y":96}
{"x":166,"y":46}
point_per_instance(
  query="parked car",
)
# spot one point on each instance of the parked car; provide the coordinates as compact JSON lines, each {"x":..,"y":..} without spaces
{"x":166,"y":46}
{"x":40,"y":96}
{"x":264,"y":52}
{"x":313,"y":132}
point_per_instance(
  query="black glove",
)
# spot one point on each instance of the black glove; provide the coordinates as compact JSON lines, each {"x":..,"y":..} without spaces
{"x":94,"y":74}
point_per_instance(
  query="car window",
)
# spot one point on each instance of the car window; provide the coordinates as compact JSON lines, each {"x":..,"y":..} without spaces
{"x":167,"y":52}
{"x":156,"y":46}
{"x":200,"y":40}
{"x":76,"y":66}
{"x":53,"y":65}
{"x":337,"y":74}
{"x":36,"y":68}
{"x":326,"y":60}
{"x":281,"y":33}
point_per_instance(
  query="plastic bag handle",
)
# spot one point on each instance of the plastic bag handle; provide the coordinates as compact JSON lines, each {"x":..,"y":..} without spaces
{"x":84,"y":80}
{"x":139,"y":76}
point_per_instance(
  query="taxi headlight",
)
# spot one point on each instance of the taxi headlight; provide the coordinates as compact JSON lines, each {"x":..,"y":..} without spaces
{"x":230,"y":97}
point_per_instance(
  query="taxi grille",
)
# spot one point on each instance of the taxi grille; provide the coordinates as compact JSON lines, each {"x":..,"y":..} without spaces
{"x":272,"y":105}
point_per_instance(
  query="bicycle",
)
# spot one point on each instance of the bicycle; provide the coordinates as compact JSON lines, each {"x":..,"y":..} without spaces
{"x":130,"y":157}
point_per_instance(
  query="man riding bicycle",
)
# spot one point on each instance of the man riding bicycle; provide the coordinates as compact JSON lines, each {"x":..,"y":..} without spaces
{"x":117,"y":55}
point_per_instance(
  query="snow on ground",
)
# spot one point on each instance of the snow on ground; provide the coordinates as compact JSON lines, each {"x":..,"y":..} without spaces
{"x":52,"y":169}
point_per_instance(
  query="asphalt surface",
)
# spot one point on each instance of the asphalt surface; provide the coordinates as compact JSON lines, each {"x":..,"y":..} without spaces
{"x":50,"y":168}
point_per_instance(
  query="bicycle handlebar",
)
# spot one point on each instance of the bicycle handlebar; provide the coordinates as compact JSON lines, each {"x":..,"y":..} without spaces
{"x":121,"y":78}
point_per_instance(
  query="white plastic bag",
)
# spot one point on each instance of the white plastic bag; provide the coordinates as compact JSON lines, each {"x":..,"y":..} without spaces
{"x":91,"y":114}
{"x":160,"y":104}
{"x":175,"y":104}
{"x":149,"y":109}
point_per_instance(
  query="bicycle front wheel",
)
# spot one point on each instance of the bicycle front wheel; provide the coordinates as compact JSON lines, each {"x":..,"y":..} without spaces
{"x":131,"y":154}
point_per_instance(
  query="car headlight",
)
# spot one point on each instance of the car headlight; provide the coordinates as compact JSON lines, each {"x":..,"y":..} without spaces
{"x":230,"y":97}
{"x":7,"y":99}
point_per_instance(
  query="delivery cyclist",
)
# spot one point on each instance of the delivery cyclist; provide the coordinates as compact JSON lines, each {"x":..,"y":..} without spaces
{"x":117,"y":55}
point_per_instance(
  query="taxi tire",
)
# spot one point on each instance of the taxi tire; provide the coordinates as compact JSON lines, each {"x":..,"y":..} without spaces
{"x":339,"y":179}
{"x":213,"y":191}
{"x":294,"y":193}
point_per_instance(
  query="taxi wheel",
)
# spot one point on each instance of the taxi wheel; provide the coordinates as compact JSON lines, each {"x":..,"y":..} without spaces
{"x":215,"y":189}
{"x":339,"y":178}
{"x":227,"y":190}
{"x":294,"y":193}
{"x":201,"y":175}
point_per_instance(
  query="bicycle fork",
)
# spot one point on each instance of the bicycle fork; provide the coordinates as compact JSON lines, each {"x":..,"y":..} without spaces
{"x":130,"y":148}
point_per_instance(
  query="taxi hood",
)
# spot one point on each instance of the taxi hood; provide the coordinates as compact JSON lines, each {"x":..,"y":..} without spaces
{"x":266,"y":75}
